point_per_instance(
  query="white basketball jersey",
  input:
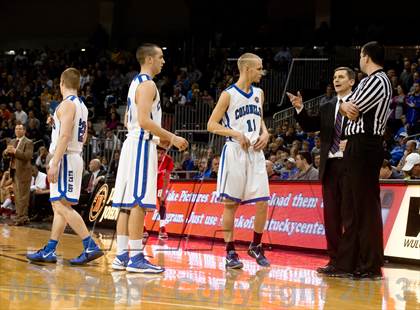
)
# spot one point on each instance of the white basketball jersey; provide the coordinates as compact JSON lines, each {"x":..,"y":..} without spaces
{"x":79,"y":128}
{"x":244,"y":112}
{"x":133,"y":126}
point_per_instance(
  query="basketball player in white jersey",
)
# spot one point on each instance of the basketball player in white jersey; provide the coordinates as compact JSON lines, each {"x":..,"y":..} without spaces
{"x":65,"y":171}
{"x":135,"y":185}
{"x":242,"y":177}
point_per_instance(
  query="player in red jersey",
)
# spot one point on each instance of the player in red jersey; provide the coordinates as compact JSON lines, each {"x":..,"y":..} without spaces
{"x":165,"y":167}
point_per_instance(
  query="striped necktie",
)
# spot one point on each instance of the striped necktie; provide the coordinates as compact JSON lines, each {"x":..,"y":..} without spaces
{"x":337,"y":132}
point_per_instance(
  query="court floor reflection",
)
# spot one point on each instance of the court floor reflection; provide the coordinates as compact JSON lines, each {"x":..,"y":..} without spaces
{"x":193,"y":279}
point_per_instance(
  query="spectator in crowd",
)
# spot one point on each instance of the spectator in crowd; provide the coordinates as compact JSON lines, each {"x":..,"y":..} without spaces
{"x":207,"y":99}
{"x":202,"y":168}
{"x":7,"y":207}
{"x":40,"y":190}
{"x":112,"y":123}
{"x":43,"y":159}
{"x":289,"y":169}
{"x":398,"y":104}
{"x":329,"y":94}
{"x":113,"y":166}
{"x":270,"y":172}
{"x":212,"y":172}
{"x":413,"y":105}
{"x":290,"y":136}
{"x":32,"y":117}
{"x":388,"y":172}
{"x":84,"y":78}
{"x":406,"y":77}
{"x":412,"y":167}
{"x":95,"y":175}
{"x":317,"y":148}
{"x":306,"y":170}
{"x":398,"y":151}
{"x":111,"y":142}
{"x":410,"y":147}
{"x":187,"y":162}
{"x":20,"y":151}
{"x":20,"y":115}
{"x":177,"y":98}
{"x":317,"y":160}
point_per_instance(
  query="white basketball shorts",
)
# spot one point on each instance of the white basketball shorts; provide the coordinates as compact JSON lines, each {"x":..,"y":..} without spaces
{"x":69,"y":179}
{"x":242,"y":176}
{"x":137,"y":175}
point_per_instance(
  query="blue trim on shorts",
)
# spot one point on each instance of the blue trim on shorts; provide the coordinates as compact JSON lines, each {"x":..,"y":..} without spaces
{"x":255,"y":200}
{"x":145,"y":166}
{"x":230,"y":197}
{"x":63,"y":165}
{"x":136,"y":176}
{"x":130,"y":205}
{"x":65,"y":198}
{"x":223,"y":165}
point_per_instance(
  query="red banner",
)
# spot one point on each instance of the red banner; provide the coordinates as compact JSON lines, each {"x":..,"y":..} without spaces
{"x":295,"y":216}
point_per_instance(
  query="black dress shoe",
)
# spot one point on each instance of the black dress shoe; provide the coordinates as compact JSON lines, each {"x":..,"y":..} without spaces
{"x":326,"y":269}
{"x":367,"y":276}
{"x":339,"y":274}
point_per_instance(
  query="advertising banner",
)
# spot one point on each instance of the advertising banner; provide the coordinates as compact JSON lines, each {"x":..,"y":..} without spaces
{"x":295,"y":215}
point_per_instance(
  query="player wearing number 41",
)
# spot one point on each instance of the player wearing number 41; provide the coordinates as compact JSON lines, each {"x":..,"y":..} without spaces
{"x":65,"y":171}
{"x":242,"y":177}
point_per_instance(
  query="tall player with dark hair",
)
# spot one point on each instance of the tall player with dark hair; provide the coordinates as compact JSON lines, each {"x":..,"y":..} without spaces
{"x":135,"y":185}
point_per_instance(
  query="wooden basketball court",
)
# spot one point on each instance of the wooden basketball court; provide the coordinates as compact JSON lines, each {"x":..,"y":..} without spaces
{"x":195,"y":278}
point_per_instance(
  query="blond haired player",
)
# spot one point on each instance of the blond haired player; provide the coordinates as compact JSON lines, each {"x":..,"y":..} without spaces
{"x":242,"y":177}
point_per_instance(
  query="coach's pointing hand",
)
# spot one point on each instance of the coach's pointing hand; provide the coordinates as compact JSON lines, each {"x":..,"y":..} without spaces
{"x":296,"y":101}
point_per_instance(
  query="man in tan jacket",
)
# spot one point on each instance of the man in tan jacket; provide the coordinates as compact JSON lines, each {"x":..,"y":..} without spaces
{"x":20,"y":151}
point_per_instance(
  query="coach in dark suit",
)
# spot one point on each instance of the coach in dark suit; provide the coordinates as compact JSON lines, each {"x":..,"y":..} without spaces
{"x":330,"y":123}
{"x":20,"y":150}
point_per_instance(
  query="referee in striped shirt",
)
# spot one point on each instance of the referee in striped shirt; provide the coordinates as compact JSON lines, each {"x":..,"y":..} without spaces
{"x":360,"y":254}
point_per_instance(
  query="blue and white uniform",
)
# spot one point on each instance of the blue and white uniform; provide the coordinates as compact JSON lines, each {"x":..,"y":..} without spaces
{"x":242,"y":175}
{"x":137,"y":169}
{"x":71,"y":165}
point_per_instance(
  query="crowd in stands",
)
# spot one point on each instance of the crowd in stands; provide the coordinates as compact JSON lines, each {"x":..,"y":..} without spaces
{"x":29,"y":91}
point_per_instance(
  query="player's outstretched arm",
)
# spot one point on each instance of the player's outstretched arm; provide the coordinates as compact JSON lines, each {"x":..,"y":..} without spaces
{"x":66,"y":116}
{"x":145,"y":93}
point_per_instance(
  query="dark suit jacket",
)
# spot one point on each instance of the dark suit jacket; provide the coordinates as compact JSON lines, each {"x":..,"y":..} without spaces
{"x":323,"y":122}
{"x":86,"y":179}
{"x":23,"y":158}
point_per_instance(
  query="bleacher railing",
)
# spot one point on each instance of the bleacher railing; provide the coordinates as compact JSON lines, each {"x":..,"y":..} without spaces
{"x":287,"y":115}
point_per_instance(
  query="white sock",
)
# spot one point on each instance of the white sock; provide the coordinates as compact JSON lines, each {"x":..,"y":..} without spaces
{"x":122,"y":244}
{"x":162,"y":223}
{"x":136,"y":247}
{"x":6,"y":203}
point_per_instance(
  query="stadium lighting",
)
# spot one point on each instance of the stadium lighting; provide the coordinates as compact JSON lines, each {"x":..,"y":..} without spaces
{"x":83,"y":50}
{"x":11,"y":52}
{"x":164,"y":48}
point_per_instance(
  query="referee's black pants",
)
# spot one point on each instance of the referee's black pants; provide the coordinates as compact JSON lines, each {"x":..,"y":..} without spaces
{"x":332,"y":194}
{"x":361,"y":247}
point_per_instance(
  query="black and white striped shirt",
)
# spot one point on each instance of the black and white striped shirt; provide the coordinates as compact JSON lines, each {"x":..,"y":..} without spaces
{"x":373,"y":97}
